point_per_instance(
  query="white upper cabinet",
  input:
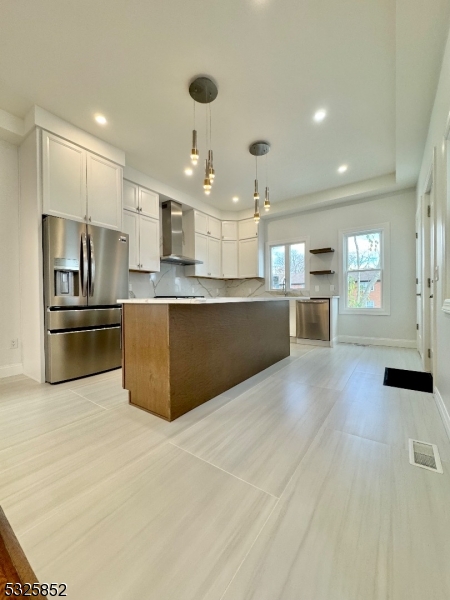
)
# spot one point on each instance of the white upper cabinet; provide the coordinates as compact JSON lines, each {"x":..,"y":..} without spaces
{"x":148,"y":203}
{"x":80,"y":185}
{"x":201,"y":253}
{"x":104,"y":192}
{"x":214,"y":258}
{"x":230,"y":259}
{"x":63,"y":178}
{"x":248,"y":229}
{"x":149,"y":244}
{"x":229,"y":230}
{"x":140,"y":199}
{"x":248,"y":258}
{"x":207,"y":225}
{"x":130,"y":195}
{"x":130,"y":225}
{"x":214,"y":228}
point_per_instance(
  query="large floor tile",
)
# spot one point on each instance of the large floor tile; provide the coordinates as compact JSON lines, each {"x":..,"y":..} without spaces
{"x":391,"y":416}
{"x":376,"y":358}
{"x":107,"y":393}
{"x":262,"y":436}
{"x":170,"y":527}
{"x":356,"y":522}
{"x":29,"y":420}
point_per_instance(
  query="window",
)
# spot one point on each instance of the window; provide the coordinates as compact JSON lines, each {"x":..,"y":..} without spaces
{"x":287,"y":266}
{"x":365,"y":281}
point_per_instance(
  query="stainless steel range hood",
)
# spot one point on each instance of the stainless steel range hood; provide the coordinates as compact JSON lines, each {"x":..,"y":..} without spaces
{"x":172,"y":235}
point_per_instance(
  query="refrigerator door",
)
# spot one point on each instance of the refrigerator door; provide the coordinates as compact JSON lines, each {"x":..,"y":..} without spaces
{"x":108,"y":265}
{"x":65,"y":262}
{"x":72,"y":354}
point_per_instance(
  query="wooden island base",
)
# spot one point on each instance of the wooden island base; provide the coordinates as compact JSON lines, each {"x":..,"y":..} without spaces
{"x":178,"y":356}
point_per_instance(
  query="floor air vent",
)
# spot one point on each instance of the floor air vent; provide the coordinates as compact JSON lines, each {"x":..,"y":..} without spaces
{"x":422,"y":454}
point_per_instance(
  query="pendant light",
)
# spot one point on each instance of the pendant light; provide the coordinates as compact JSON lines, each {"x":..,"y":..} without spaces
{"x":204,"y":91}
{"x":259,"y":149}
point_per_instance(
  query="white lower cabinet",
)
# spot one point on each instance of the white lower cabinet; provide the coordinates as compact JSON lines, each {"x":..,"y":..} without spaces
{"x":248,"y":258}
{"x":143,"y":235}
{"x":230,"y":259}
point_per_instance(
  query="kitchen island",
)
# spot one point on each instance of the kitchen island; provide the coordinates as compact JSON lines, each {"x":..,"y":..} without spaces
{"x":180,"y":353}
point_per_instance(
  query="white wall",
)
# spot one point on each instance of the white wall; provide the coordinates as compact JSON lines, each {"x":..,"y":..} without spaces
{"x":10,"y":360}
{"x":322,"y":228}
{"x":435,"y":142}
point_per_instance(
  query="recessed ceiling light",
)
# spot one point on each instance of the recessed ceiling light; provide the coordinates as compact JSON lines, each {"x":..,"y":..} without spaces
{"x":320,"y":115}
{"x":101,"y":120}
{"x":342,"y":168}
{"x":188,"y":171}
{"x":235,"y":199}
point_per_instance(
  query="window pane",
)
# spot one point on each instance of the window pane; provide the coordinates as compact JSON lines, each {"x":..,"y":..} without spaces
{"x":364,"y":251}
{"x":297,"y":266}
{"x":277,"y":272}
{"x":364,"y":289}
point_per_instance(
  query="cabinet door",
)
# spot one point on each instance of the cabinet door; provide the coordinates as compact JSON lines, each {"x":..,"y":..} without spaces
{"x":148,"y":203}
{"x":130,"y":225}
{"x":63,"y":178}
{"x":130,"y":196}
{"x":229,"y":230}
{"x":214,"y":228}
{"x":201,"y":253}
{"x":248,"y":229}
{"x":104,"y":192}
{"x":201,"y":223}
{"x":214,"y":258}
{"x":248,"y":258}
{"x":229,"y":259}
{"x":149,"y":244}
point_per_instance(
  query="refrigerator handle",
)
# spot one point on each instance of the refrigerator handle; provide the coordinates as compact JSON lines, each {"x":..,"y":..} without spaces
{"x":91,"y":266}
{"x":83,"y":265}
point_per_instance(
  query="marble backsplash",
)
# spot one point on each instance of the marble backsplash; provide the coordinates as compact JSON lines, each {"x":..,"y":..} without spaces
{"x":171,"y":281}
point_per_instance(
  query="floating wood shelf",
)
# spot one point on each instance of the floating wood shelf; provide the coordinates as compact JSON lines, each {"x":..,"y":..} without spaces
{"x":322,"y":250}
{"x":322,"y":272}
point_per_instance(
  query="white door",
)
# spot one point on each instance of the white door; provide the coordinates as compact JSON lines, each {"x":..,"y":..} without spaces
{"x":214,"y":228}
{"x":63,"y":178}
{"x":149,"y":244}
{"x":201,"y":223}
{"x":214,"y":258}
{"x":248,"y":258}
{"x":229,"y":259}
{"x":432,"y":282}
{"x":104,"y":192}
{"x":130,"y":225}
{"x":201,"y":253}
{"x":130,"y":195}
{"x":229,"y":230}
{"x":149,"y":203}
{"x":247,"y":229}
{"x":419,"y":287}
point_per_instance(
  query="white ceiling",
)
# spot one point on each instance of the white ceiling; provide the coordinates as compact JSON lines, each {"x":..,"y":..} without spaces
{"x":372,"y":65}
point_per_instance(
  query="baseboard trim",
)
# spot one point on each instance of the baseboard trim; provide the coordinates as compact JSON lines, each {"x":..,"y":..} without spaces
{"x":369,"y":341}
{"x":10,"y":370}
{"x":442,"y":410}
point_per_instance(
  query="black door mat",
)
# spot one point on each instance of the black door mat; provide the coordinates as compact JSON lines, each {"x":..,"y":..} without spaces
{"x":408,"y":380}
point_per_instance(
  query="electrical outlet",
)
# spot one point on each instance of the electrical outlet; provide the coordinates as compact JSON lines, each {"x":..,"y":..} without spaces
{"x":130,"y":287}
{"x":14,"y":344}
{"x":331,"y":288}
{"x":316,"y":288}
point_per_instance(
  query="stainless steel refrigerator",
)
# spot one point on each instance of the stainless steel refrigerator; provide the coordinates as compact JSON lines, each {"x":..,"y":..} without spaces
{"x":85,"y":272}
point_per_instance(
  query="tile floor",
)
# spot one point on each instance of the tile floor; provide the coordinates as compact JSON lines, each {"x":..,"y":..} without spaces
{"x":294,"y":485}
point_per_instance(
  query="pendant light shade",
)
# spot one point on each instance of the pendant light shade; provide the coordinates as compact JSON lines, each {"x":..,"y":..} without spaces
{"x":211,"y":171}
{"x":266,"y":200}
{"x":207,"y":181}
{"x":256,"y":215}
{"x":256,"y":193}
{"x":194,"y":150}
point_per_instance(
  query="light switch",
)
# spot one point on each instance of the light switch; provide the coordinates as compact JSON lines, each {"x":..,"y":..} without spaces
{"x":130,"y":287}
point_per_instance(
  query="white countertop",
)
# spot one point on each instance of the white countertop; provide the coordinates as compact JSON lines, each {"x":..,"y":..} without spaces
{"x":199,"y":300}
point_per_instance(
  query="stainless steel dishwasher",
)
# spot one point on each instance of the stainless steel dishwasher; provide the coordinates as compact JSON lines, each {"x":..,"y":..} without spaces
{"x":313,"y":319}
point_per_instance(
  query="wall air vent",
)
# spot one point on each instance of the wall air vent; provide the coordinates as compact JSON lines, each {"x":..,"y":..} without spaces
{"x":424,"y":455}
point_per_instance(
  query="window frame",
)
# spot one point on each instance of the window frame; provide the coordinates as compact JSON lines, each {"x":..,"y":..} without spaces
{"x":287,"y":243}
{"x":384,"y":269}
